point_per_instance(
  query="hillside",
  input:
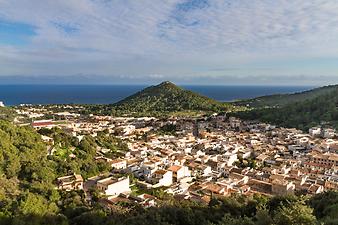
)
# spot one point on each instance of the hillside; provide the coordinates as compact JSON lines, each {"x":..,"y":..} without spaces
{"x":280,"y":100}
{"x":322,"y":109}
{"x":7,"y":113}
{"x":167,"y":97}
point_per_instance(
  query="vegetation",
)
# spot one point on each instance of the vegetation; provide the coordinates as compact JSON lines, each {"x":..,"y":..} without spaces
{"x":7,"y":113}
{"x":320,"y":110}
{"x":234,"y":210}
{"x":83,"y":152}
{"x":280,"y":100}
{"x":167,"y":97}
{"x":28,"y":194}
{"x":27,"y":175}
{"x":162,"y":101}
{"x":116,"y":146}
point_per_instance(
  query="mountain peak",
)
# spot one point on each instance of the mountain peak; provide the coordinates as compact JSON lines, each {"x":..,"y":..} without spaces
{"x":167,"y":97}
{"x":167,"y":84}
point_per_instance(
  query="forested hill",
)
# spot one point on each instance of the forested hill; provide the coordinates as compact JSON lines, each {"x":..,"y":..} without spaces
{"x":318,"y":110}
{"x":280,"y":100}
{"x":167,"y":97}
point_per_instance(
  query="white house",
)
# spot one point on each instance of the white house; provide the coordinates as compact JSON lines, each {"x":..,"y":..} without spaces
{"x":125,"y":130}
{"x":179,"y":172}
{"x":147,"y":169}
{"x":113,"y":186}
{"x":328,"y":133}
{"x":119,"y":164}
{"x":230,"y":158}
{"x":162,"y":178}
{"x":206,"y":170}
{"x":315,"y":131}
{"x":199,"y":169}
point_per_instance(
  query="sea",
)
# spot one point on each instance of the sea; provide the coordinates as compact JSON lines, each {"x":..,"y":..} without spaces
{"x":104,"y":94}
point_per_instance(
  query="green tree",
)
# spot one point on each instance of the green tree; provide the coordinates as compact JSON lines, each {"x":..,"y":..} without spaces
{"x":295,"y":214}
{"x":33,"y":204}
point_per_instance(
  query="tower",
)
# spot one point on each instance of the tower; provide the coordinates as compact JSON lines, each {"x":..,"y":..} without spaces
{"x":196,"y":132}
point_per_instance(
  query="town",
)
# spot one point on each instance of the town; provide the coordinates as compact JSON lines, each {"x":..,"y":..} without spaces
{"x":192,"y":158}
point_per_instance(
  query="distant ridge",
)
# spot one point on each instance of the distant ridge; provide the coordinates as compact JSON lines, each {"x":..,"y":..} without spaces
{"x":168,"y":97}
{"x":279,"y":100}
{"x":317,"y":107}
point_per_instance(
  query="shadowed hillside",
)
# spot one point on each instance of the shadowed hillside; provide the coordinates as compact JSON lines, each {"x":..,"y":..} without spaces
{"x":280,"y":100}
{"x":322,"y":109}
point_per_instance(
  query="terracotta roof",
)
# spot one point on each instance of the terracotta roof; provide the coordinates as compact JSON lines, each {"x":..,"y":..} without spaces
{"x":161,"y":172}
{"x":175,"y":168}
{"x":213,"y":188}
{"x":117,"y":161}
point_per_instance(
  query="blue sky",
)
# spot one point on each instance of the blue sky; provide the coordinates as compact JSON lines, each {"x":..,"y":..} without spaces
{"x":248,"y":42}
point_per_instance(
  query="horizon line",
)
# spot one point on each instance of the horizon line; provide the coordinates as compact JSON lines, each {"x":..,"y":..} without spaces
{"x":154,"y":84}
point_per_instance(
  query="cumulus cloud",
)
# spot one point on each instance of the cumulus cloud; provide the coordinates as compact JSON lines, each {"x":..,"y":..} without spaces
{"x":146,"y":38}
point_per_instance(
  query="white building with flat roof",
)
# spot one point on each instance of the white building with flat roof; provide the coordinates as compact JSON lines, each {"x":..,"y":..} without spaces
{"x":113,"y":186}
{"x":2,"y":104}
{"x":315,"y":131}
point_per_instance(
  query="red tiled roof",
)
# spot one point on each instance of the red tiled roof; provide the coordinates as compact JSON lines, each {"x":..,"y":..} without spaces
{"x":40,"y":124}
{"x":175,"y":168}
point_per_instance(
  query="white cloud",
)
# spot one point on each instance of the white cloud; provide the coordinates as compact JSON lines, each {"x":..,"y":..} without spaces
{"x":168,"y":37}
